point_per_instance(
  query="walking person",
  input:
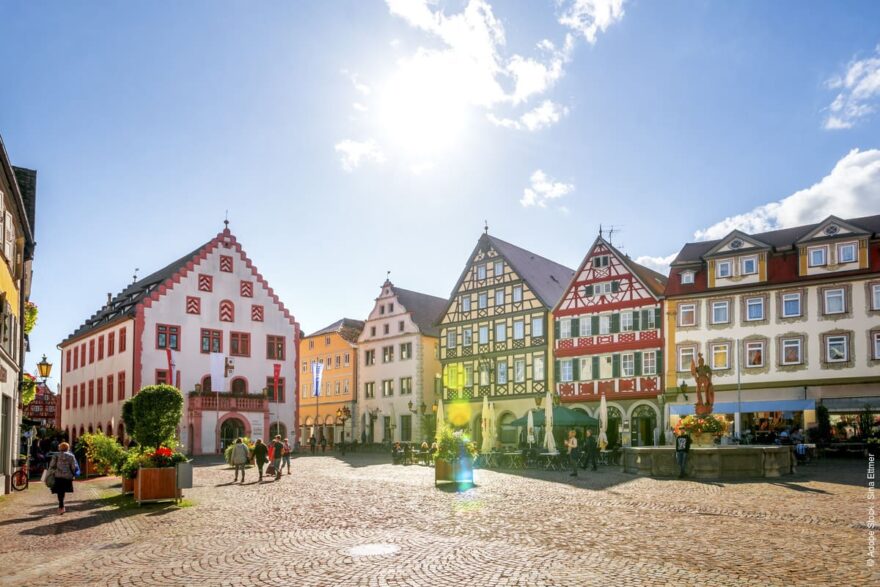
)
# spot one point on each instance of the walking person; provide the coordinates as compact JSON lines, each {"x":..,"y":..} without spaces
{"x":277,"y":454}
{"x":62,"y":468}
{"x":592,"y":450}
{"x":572,"y":444}
{"x":313,"y":443}
{"x":682,"y":448}
{"x":239,"y":458}
{"x":323,"y":444}
{"x":261,"y":455}
{"x":285,"y":456}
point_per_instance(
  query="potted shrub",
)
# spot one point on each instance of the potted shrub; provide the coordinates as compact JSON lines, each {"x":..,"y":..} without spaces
{"x":156,"y":478}
{"x":455,"y":457}
{"x":127,"y":468}
{"x":702,"y":429}
{"x":103,"y":453}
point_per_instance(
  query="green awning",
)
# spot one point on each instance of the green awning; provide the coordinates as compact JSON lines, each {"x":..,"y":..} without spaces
{"x":562,"y":417}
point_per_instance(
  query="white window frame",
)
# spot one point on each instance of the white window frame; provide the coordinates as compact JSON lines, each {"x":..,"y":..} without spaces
{"x":875,"y":296}
{"x":499,"y":297}
{"x":830,"y":340}
{"x":586,"y":368}
{"x":626,"y":321}
{"x":689,"y":308}
{"x":481,"y":271}
{"x":565,"y":328}
{"x":786,"y":342}
{"x":825,"y":298}
{"x":566,"y":371}
{"x":723,"y":263}
{"x":483,"y":334}
{"x":855,"y":252}
{"x":501,"y":373}
{"x":519,"y":329}
{"x":752,"y":346}
{"x":451,"y":339}
{"x":519,"y":370}
{"x":466,"y":303}
{"x":517,"y":293}
{"x":605,"y":324}
{"x":467,"y":336}
{"x":537,"y":326}
{"x":712,"y":349}
{"x":748,"y":316}
{"x":496,"y":266}
{"x":687,"y":277}
{"x":538,"y":368}
{"x":810,"y":260}
{"x":688,"y":351}
{"x":789,"y":297}
{"x":876,"y":345}
{"x":751,"y":259}
{"x":483,"y":300}
{"x":718,"y":305}
{"x":600,"y":261}
{"x":500,"y":332}
{"x":484,"y":375}
{"x":468,"y":375}
{"x":627,"y":365}
{"x":585,"y":326}
{"x":652,"y":369}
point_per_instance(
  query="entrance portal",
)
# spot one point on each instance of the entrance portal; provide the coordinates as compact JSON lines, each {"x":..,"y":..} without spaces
{"x":230,"y":430}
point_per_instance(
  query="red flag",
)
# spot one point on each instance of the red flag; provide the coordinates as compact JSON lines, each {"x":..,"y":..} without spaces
{"x":277,"y":369}
{"x":170,"y":367}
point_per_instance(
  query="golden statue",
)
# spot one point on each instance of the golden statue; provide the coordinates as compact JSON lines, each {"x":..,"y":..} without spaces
{"x":705,"y":392}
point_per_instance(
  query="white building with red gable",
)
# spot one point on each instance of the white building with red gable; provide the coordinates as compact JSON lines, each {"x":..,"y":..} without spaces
{"x":211,"y":306}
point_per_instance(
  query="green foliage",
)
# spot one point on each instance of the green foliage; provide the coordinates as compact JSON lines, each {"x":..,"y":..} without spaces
{"x":103,"y":451}
{"x":128,"y":416}
{"x":453,"y":444}
{"x":30,"y":316}
{"x":227,"y":454}
{"x":699,"y":424}
{"x":156,"y":412}
{"x":128,"y":467}
{"x":28,"y":388}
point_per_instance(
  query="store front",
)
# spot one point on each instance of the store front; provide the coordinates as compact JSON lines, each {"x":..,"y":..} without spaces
{"x":762,"y":422}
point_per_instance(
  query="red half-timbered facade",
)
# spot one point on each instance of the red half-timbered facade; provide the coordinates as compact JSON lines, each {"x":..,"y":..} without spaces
{"x":609,"y":338}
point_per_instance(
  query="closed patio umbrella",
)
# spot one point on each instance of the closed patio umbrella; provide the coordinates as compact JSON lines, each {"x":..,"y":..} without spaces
{"x":603,"y":423}
{"x":487,"y":442}
{"x":440,"y":422}
{"x":530,"y":428}
{"x":549,"y":441}
{"x":493,"y":427}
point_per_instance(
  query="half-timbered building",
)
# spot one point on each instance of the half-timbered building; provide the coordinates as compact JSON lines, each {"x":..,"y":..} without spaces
{"x":609,"y":342}
{"x":495,"y":339}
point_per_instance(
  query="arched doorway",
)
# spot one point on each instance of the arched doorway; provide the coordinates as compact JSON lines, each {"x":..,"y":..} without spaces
{"x":643,"y":421}
{"x":230,"y":430}
{"x":277,"y":428}
{"x":507,"y":433}
{"x":615,"y":418}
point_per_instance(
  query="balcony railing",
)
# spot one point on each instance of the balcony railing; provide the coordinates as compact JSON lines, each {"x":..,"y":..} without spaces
{"x":228,"y":401}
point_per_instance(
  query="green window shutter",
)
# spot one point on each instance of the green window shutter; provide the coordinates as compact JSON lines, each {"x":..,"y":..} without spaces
{"x":657,"y":317}
{"x":594,"y":326}
{"x":615,"y":286}
{"x":575,"y":327}
{"x":556,"y":371}
{"x":615,"y":365}
{"x":596,"y":367}
{"x":645,"y":317}
{"x":556,"y":329}
{"x":661,"y":368}
{"x":636,"y":314}
{"x":588,"y":290}
{"x":575,"y":370}
{"x":615,"y":322}
{"x":637,"y":360}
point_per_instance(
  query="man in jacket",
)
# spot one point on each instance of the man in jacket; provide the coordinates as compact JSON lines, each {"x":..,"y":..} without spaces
{"x":239,"y":458}
{"x":682,"y":447}
{"x":261,"y":455}
{"x":277,"y":451}
{"x":592,"y":450}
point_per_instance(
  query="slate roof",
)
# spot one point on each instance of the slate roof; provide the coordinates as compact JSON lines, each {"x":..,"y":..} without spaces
{"x":347,"y":328}
{"x":27,"y":185}
{"x":124,"y":304}
{"x":653,"y":280}
{"x":426,"y":310}
{"x":777,"y":239}
{"x":547,"y":279}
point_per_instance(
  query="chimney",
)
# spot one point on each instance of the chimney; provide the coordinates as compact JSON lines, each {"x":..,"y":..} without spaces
{"x":109,"y":298}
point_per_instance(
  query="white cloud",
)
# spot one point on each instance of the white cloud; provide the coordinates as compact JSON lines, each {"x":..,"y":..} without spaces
{"x":659,"y":264}
{"x":859,"y":90}
{"x":589,"y":17}
{"x":354,"y":153}
{"x":543,"y":189}
{"x":546,"y":114}
{"x":359,"y":107}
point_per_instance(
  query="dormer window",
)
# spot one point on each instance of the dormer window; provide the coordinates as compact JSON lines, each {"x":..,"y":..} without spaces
{"x":846,"y":253}
{"x":749,"y":265}
{"x":724,"y":268}
{"x":601,"y":261}
{"x":481,"y":272}
{"x":818,"y":256}
{"x":687,"y":277}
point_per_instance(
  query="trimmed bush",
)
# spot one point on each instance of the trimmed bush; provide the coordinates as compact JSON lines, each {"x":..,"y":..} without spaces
{"x":155,"y":414}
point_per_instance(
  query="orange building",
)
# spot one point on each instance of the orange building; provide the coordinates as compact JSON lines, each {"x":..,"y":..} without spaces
{"x":328,"y":414}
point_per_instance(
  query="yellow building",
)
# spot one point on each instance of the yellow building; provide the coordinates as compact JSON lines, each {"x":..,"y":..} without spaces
{"x":17,"y":205}
{"x":327,"y":413}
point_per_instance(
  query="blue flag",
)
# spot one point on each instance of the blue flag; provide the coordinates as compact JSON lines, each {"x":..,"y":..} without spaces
{"x":317,"y":373}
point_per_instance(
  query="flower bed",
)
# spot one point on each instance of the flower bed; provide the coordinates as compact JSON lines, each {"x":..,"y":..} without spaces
{"x":707,"y":424}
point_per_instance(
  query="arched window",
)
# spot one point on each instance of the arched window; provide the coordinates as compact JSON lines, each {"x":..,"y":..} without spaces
{"x":91,"y":430}
{"x":100,"y":428}
{"x":239,"y":386}
{"x":206,"y":384}
{"x":227,"y":311}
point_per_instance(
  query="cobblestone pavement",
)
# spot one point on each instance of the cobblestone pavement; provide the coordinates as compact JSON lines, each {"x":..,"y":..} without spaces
{"x":361,"y":521}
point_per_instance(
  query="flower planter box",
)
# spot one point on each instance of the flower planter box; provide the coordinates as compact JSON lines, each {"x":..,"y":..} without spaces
{"x":127,"y":486}
{"x":156,"y":485}
{"x":456,"y":471}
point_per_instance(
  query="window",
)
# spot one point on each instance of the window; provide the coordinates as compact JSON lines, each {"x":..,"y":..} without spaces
{"x":226,"y":263}
{"x":385,"y":329}
{"x":305,"y":367}
{"x":67,"y":398}
{"x":167,"y":337}
{"x":336,"y":388}
{"x":329,"y":362}
{"x":304,"y":390}
{"x":818,"y":256}
{"x":401,"y":326}
{"x":687,"y":277}
{"x":67,"y":361}
{"x":846,"y":253}
{"x":686,"y":355}
{"x":649,"y":363}
{"x":626,"y":321}
{"x":405,"y":351}
{"x":754,"y":354}
{"x":111,"y":344}
{"x":465,"y":303}
{"x":835,"y":301}
{"x":240,"y":344}
{"x":501,"y":373}
{"x":468,"y":375}
{"x":227,"y":311}
{"x":499,"y":268}
{"x":212,"y":341}
{"x":451,"y":339}
{"x":101,"y":391}
{"x":382,"y":309}
{"x":337,"y":361}
{"x":91,"y":351}
{"x":537,"y":326}
{"x":326,"y":341}
{"x":387,"y":387}
{"x":519,"y":330}
{"x":246,"y":289}
{"x":499,"y":297}
{"x":467,"y":336}
{"x":406,"y":386}
{"x":749,"y":265}
{"x":791,"y":305}
{"x":161,"y":377}
{"x":605,"y":324}
{"x":720,"y":356}
{"x":500,"y":332}
{"x":484,"y":335}
{"x":481,"y":272}
{"x":519,"y":369}
{"x":206,"y":283}
{"x":517,"y":293}
{"x":100,"y":347}
{"x":370,"y":389}
{"x":585,"y":326}
{"x":538,"y":368}
{"x":720,"y":312}
{"x":723,"y":269}
{"x":370,"y":357}
{"x":346,"y":359}
{"x":601,"y":289}
{"x":406,"y":428}
{"x":875,"y":297}
{"x":276,"y":394}
{"x":791,"y":351}
{"x":345,"y":387}
{"x":566,"y":372}
{"x":586,"y":368}
{"x":193,"y":305}
{"x":372,"y":331}
{"x":600,"y":261}
{"x":82,"y":394}
{"x":754,"y":309}
{"x":82,"y":354}
{"x":627,"y":364}
{"x":836,"y":349}
{"x":120,"y":386}
{"x":275,"y":347}
{"x":483,"y":300}
{"x":387,"y":354}
{"x":91,"y":392}
{"x":565,"y":328}
{"x":876,"y":345}
{"x":110,"y":389}
{"x":687,"y":315}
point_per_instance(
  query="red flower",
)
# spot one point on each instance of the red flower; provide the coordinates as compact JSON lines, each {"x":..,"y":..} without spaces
{"x":163,"y":452}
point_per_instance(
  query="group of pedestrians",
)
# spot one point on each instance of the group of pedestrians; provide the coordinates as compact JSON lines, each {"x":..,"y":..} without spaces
{"x":574,"y":455}
{"x":277,"y":454}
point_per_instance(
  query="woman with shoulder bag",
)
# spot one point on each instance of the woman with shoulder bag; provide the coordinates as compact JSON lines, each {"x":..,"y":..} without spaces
{"x":62,"y":469}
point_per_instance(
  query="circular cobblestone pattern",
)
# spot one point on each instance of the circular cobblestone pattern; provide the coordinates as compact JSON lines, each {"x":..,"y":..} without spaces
{"x":362,"y":522}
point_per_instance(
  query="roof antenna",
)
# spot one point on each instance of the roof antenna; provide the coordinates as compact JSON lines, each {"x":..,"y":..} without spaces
{"x":226,"y":220}
{"x":388,"y":276}
{"x":600,"y":231}
{"x":135,"y":276}
{"x":486,"y":226}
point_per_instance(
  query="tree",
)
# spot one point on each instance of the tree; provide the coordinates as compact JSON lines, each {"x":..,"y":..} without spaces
{"x":128,"y":417}
{"x":156,"y":411}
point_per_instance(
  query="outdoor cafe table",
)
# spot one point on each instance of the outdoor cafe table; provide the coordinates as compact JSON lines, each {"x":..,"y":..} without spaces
{"x":514,"y":460}
{"x":551,"y":460}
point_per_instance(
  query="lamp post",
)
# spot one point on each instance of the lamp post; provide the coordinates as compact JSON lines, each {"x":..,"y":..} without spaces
{"x":420,"y":411}
{"x":374,"y":414}
{"x":343,"y":414}
{"x":44,"y":368}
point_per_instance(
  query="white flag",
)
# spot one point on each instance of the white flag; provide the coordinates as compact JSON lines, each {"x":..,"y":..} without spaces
{"x":317,"y":375}
{"x":218,"y":372}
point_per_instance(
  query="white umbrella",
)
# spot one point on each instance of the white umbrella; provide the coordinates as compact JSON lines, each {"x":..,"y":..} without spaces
{"x":549,"y":441}
{"x":440,"y":422}
{"x":487,"y":442}
{"x":603,"y":423}
{"x":530,"y":428}
{"x":492,"y":427}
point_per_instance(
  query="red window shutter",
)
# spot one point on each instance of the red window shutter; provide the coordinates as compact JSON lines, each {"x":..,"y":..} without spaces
{"x":100,"y":347}
{"x":193,"y":305}
{"x":67,"y":397}
{"x":247,"y":289}
{"x":91,"y":351}
{"x":67,"y":362}
{"x":100,"y":391}
{"x":120,"y":383}
{"x":206,"y":283}
{"x":257,"y":313}
{"x":122,"y":340}
{"x":226,"y":263}
{"x":110,"y":389}
{"x":91,"y":392}
{"x":111,"y":344}
{"x":82,"y":394}
{"x":227,"y":311}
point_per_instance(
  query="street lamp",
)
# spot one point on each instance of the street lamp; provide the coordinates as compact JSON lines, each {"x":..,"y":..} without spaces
{"x":682,"y":388}
{"x":44,"y":368}
{"x":343,"y":414}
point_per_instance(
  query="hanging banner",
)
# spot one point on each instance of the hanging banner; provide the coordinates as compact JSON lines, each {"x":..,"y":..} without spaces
{"x":317,"y":375}
{"x":277,"y":373}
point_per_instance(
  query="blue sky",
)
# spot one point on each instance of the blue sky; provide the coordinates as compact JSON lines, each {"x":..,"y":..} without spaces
{"x":351,"y":138}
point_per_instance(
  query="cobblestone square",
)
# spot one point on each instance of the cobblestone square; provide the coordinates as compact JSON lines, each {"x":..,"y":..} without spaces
{"x":361,"y":521}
